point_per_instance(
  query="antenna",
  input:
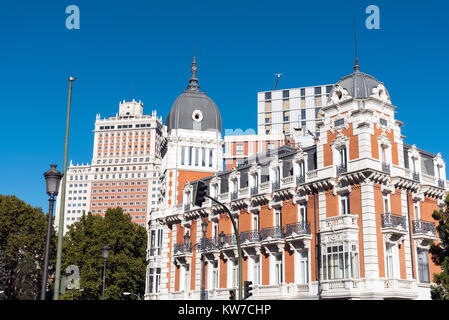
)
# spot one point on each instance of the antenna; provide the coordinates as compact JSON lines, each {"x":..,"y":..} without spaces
{"x":277,"y":80}
{"x":356,"y":66}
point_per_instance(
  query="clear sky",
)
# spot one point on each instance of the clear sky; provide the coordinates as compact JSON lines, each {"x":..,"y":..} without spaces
{"x":143,"y":50}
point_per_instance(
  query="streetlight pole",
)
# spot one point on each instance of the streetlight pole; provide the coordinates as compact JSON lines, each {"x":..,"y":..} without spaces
{"x":52,"y":178}
{"x":131,"y":293}
{"x":203,"y":263}
{"x":237,"y":237}
{"x":105,"y":253}
{"x":61,"y":210}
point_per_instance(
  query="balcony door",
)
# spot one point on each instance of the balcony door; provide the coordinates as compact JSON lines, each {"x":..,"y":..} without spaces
{"x":423,"y":266}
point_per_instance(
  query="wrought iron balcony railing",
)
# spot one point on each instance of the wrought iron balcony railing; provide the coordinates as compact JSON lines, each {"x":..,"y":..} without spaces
{"x":300,"y":179}
{"x":251,"y":236}
{"x":415,"y":176}
{"x":209,"y":244}
{"x":276,"y":185}
{"x":386,"y":167}
{"x":254,"y":190}
{"x":342,"y":168}
{"x":441,"y":183}
{"x":234,"y":195}
{"x":393,"y":221}
{"x":421,"y":227}
{"x":276,"y":232}
{"x":301,"y":227}
{"x":182,"y":248}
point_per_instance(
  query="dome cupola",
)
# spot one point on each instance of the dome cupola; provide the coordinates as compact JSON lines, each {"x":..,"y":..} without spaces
{"x":193,"y":109}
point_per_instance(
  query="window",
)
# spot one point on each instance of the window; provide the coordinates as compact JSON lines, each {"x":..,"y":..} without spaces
{"x":303,"y":267}
{"x":416,"y":210}
{"x":214,"y":284}
{"x":285,"y":95}
{"x":183,"y":153}
{"x":203,"y":160}
{"x":239,"y":148}
{"x":267,"y":95}
{"x":211,"y":152}
{"x":277,"y":218}
{"x":302,"y":212}
{"x":159,"y":239}
{"x":302,"y":168}
{"x":255,"y":221}
{"x":386,"y":200}
{"x":270,"y":145}
{"x":344,"y":204}
{"x":215,"y":232}
{"x":342,"y":158}
{"x":196,"y":156}
{"x":339,"y":122}
{"x":340,"y":261}
{"x":423,"y":266}
{"x":190,"y":155}
{"x":157,"y":280}
{"x":185,"y":276}
{"x":278,"y":269}
{"x":389,"y":262}
{"x":256,"y":270}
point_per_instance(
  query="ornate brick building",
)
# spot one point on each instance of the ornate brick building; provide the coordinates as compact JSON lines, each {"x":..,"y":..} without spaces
{"x":348,"y":217}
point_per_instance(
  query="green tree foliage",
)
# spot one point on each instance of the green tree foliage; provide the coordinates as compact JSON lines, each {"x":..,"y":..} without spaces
{"x":4,"y":275}
{"x":126,"y":265}
{"x":440,"y":254}
{"x":23,"y":231}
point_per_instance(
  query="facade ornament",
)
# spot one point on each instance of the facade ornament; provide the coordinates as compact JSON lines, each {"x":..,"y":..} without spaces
{"x":339,"y":94}
{"x":340,"y":141}
{"x":380,"y":92}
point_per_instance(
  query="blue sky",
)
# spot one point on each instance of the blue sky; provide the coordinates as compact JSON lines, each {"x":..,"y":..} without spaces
{"x":240,"y":45}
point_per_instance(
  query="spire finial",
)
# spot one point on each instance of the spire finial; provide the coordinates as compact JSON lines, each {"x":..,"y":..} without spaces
{"x":356,"y":66}
{"x":193,"y":82}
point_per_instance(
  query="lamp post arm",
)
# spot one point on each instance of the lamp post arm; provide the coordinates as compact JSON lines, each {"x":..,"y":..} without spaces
{"x":237,"y":237}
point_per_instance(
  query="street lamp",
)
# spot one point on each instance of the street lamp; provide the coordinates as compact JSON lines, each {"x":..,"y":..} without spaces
{"x":105,"y":252}
{"x":52,"y":179}
{"x":130,"y":293}
{"x":62,"y":198}
{"x":203,"y":263}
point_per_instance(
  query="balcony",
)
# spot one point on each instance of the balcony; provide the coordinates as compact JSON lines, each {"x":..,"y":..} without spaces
{"x":394,"y":226}
{"x":393,"y":221}
{"x":297,"y":229}
{"x":288,"y":182}
{"x":276,"y":232}
{"x":341,"y":169}
{"x":441,"y":183}
{"x":415,"y":176}
{"x":244,"y":193}
{"x":249,"y":236}
{"x":386,"y":167}
{"x":300,"y":180}
{"x":424,"y":230}
{"x":211,"y":244}
{"x":264,"y":187}
{"x":347,"y":221}
{"x":182,"y":248}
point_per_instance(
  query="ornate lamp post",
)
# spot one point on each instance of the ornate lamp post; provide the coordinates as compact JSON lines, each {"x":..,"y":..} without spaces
{"x":203,"y":262}
{"x":62,"y":198}
{"x":105,"y":252}
{"x":52,"y":179}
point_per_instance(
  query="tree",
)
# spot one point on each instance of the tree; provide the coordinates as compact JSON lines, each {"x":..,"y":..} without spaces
{"x":126,"y":264}
{"x":4,"y":275}
{"x":23,"y":230}
{"x":440,"y":254}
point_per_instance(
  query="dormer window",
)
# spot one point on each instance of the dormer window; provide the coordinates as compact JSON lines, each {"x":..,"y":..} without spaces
{"x":339,"y":122}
